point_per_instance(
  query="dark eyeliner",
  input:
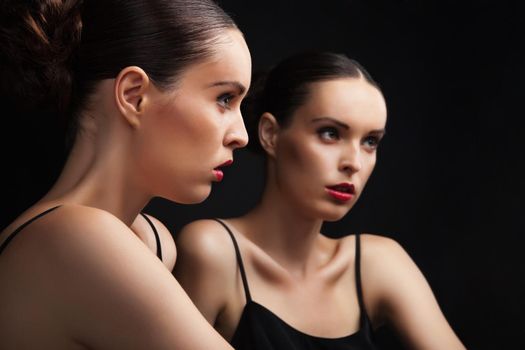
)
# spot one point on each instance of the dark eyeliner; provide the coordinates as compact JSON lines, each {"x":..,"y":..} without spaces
{"x":225,"y":99}
{"x":375,"y":141}
{"x":333,"y":131}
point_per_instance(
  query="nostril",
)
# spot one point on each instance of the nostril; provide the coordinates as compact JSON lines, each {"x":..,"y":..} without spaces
{"x":350,"y":168}
{"x":235,"y":140}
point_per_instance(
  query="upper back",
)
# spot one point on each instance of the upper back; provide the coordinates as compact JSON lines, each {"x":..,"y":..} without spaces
{"x":79,"y":276}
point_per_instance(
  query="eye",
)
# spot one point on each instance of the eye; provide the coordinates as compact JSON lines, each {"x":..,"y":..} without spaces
{"x":328,"y":133}
{"x":372,"y":142}
{"x":224,"y":100}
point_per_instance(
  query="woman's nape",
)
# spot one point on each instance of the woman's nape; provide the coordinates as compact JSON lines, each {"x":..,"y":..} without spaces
{"x":142,"y":89}
{"x":171,"y":142}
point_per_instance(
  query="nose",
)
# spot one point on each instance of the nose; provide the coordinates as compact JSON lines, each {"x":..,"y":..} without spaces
{"x":351,"y":161}
{"x":236,"y":136}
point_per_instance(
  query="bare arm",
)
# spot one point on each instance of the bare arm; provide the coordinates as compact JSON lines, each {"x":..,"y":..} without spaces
{"x":112,"y":293}
{"x":403,"y":297}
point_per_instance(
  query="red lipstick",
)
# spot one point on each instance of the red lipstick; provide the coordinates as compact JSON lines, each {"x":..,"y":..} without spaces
{"x":219,"y":175}
{"x":342,"y":192}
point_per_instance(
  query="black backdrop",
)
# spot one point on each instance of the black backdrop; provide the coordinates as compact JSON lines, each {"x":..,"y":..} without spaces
{"x":449,"y":177}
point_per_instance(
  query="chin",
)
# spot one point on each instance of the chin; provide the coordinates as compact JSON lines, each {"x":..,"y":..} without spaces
{"x":332,"y":213}
{"x":195,"y":195}
{"x":334,"y":216}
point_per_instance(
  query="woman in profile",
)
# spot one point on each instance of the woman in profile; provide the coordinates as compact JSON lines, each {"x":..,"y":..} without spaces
{"x":318,"y":118}
{"x":152,"y":90}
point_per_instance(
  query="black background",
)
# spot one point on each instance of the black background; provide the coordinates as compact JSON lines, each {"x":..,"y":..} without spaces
{"x":449,"y":177}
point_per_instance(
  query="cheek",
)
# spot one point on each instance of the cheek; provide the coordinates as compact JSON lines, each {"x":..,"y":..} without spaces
{"x":291,"y":159}
{"x":303,"y":164}
{"x":179,"y":143}
{"x":192,"y":130}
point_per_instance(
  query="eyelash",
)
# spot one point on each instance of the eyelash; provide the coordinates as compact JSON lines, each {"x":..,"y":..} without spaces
{"x":333,"y":133}
{"x":374,"y":140}
{"x":224,"y":100}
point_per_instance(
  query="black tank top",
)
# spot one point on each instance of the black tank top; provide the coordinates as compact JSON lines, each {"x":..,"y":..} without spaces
{"x":25,"y":224}
{"x":260,"y":329}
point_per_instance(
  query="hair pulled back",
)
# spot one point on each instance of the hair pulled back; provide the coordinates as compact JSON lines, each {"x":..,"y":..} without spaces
{"x":285,"y":87}
{"x":55,"y":51}
{"x":37,"y":39}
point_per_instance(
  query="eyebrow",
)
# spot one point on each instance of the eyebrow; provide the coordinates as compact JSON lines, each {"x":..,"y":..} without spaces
{"x":341,"y":124}
{"x":380,"y":132}
{"x":234,"y":84}
{"x":346,"y":126}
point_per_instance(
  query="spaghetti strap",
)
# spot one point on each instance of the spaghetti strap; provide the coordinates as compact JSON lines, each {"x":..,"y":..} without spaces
{"x":358,"y":278}
{"x":21,"y":227}
{"x":365,"y":324}
{"x":157,"y":237}
{"x":239,"y":261}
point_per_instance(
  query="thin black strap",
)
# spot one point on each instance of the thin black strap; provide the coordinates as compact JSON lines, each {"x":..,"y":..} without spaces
{"x":358,"y":277}
{"x":21,"y":227}
{"x":239,"y":261}
{"x":157,"y":238}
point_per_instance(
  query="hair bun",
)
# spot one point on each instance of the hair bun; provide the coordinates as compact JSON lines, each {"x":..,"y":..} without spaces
{"x":37,"y":40}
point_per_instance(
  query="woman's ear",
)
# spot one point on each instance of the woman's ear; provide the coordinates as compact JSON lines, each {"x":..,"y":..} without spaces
{"x":131,"y":86}
{"x":268,"y":133}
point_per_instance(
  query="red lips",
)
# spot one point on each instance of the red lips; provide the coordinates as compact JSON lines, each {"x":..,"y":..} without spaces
{"x":219,"y":175}
{"x":342,"y":192}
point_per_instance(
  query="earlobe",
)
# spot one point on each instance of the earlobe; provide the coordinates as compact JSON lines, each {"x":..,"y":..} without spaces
{"x":268,"y":133}
{"x":130,"y":93}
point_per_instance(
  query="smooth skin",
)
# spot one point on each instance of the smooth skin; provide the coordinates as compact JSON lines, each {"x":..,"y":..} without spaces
{"x":305,"y":278}
{"x":80,"y":277}
{"x":145,"y":233}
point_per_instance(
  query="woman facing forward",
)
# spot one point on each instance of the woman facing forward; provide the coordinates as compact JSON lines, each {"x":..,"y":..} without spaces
{"x":153,"y":91}
{"x":318,"y":119}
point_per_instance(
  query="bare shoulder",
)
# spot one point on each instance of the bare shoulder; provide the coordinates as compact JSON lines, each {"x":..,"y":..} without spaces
{"x":381,"y":255}
{"x":82,"y":240}
{"x":206,"y":267}
{"x":398,"y":292}
{"x":206,"y":258}
{"x":66,"y":223}
{"x":60,"y":232}
{"x":144,"y":231}
{"x":169,"y":250}
{"x":79,"y":232}
{"x":205,"y":240}
{"x":89,"y":268}
{"x":374,"y":246}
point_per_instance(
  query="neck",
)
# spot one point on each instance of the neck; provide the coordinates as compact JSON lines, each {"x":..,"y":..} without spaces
{"x":95,"y":175}
{"x":284,"y":232}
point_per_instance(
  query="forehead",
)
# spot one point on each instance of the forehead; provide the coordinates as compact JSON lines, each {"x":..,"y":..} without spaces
{"x":230,"y":61}
{"x":350,"y":100}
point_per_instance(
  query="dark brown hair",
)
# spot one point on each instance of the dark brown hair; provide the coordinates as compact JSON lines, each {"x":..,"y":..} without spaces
{"x":285,"y":87}
{"x":55,"y":51}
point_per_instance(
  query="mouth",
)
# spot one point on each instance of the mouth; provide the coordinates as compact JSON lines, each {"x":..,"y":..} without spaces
{"x":342,"y":192}
{"x":219,"y":175}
